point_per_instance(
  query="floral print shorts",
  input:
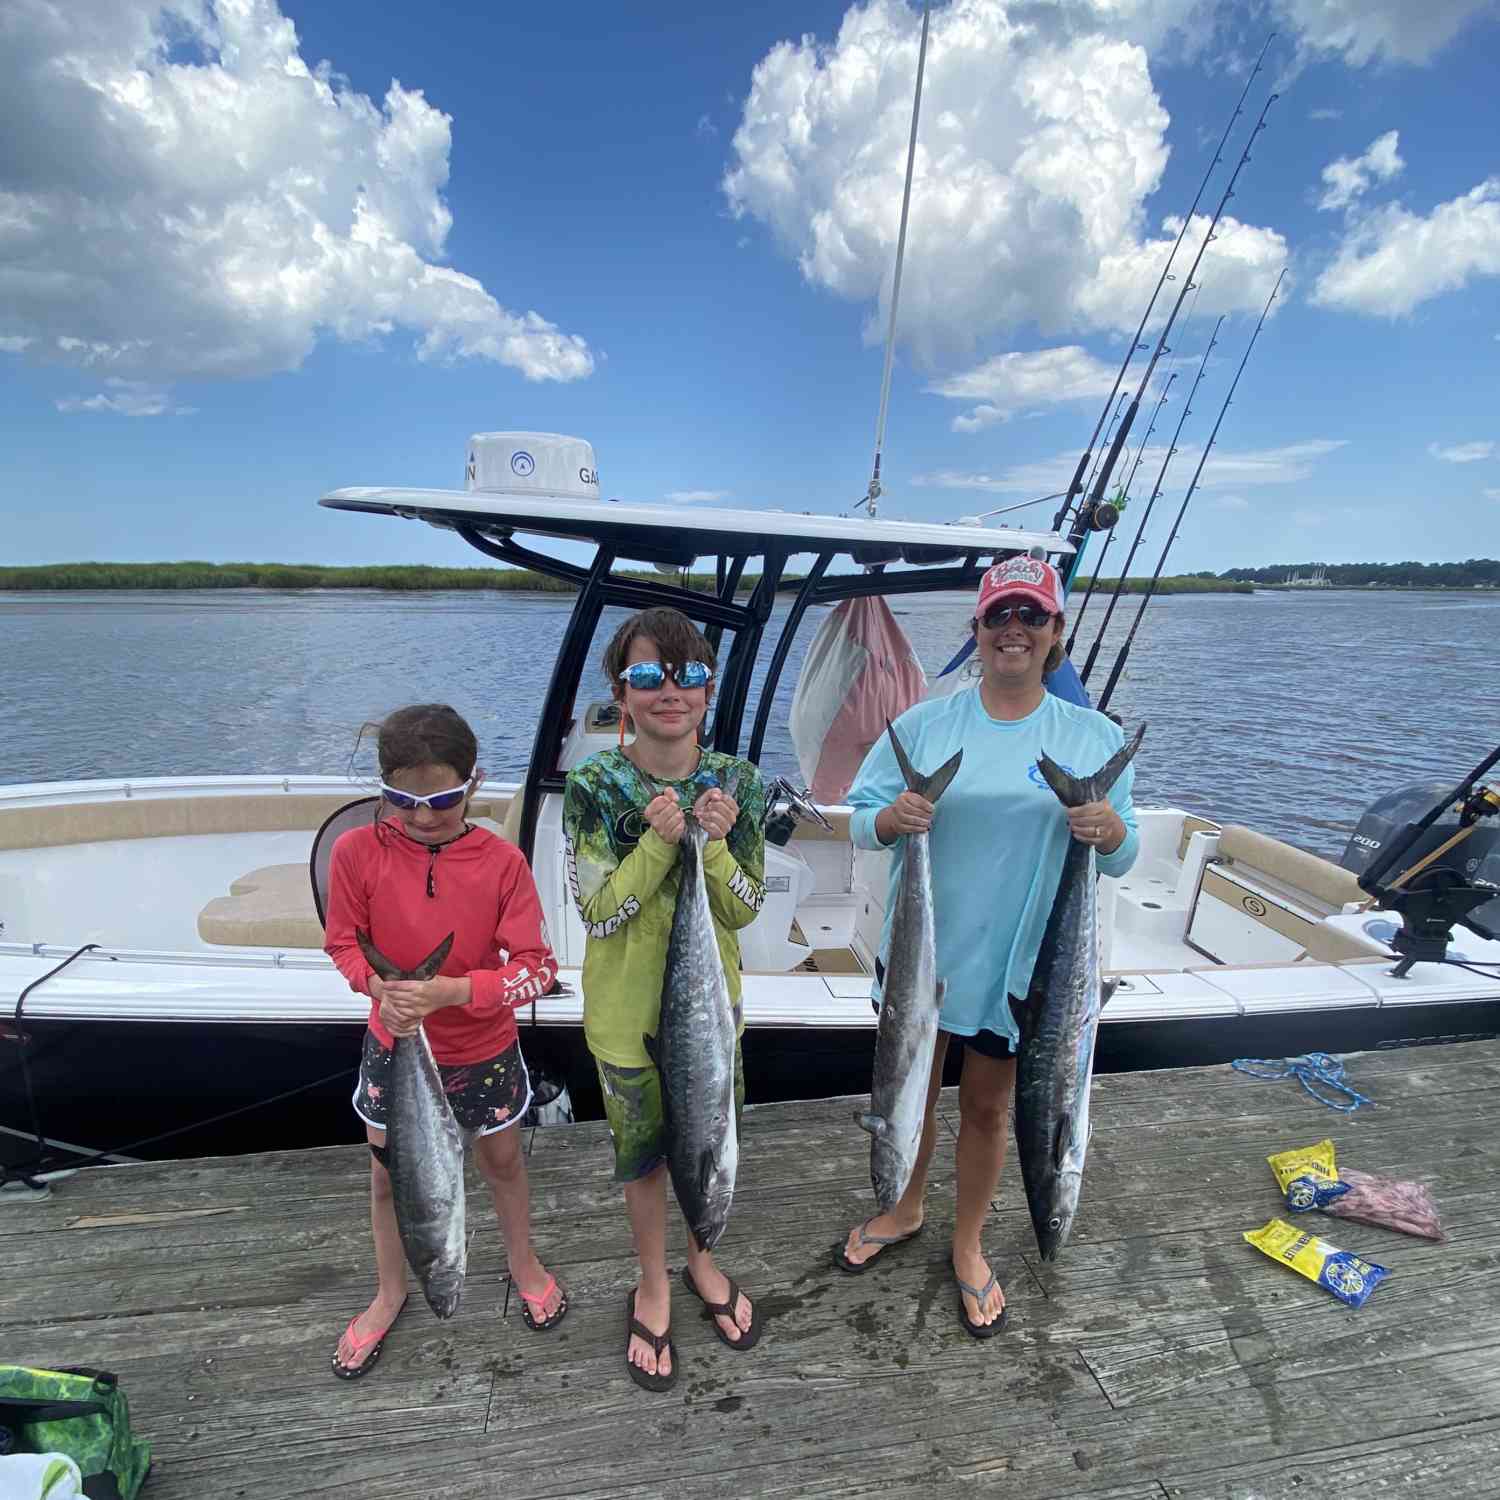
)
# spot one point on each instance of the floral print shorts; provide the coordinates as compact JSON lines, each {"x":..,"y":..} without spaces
{"x":485,"y":1096}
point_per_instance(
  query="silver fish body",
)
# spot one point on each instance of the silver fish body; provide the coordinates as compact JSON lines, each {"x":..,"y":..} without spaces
{"x":425,"y":1157}
{"x":694,"y":1053}
{"x":911,"y":1000}
{"x":424,"y":1153}
{"x":1059,"y":1021}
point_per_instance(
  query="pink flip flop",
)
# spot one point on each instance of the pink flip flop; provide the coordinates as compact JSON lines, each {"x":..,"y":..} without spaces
{"x":353,"y":1372}
{"x":532,"y":1321}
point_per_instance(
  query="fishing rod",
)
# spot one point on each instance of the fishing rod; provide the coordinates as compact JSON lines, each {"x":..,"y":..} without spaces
{"x":873,"y":493}
{"x":1140,"y":533}
{"x":1119,"y":666}
{"x":1092,"y":514}
{"x":1108,"y":433}
{"x":1119,"y":505}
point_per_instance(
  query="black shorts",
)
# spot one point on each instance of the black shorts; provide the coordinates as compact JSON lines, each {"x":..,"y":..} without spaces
{"x":484,"y":1096}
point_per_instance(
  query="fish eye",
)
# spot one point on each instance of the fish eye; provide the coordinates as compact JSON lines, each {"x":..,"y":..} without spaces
{"x":1054,"y":1223}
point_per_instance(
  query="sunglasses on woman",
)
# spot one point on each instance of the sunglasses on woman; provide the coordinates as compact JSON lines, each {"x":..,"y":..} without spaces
{"x":647,"y":676}
{"x":437,"y":801}
{"x":1032,"y":616}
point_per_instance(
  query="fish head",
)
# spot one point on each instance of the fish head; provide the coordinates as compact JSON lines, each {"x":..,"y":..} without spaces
{"x":890,"y":1171}
{"x":443,"y":1287}
{"x":718,"y":1196}
{"x":1053,"y":1209}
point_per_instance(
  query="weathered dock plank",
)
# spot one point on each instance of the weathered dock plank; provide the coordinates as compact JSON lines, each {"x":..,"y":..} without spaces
{"x":1160,"y":1358}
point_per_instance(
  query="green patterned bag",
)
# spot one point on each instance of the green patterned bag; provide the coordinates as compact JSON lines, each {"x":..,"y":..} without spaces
{"x":82,"y":1413}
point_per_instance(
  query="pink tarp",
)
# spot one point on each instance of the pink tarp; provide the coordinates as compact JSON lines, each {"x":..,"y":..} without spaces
{"x":860,"y":671}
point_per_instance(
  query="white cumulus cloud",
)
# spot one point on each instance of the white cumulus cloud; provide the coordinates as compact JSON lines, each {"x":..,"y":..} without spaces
{"x":1394,"y":260}
{"x":1397,"y":31}
{"x":181,"y":193}
{"x":1350,"y":176}
{"x":1461,"y":453}
{"x":1017,"y":382}
{"x":128,"y":398}
{"x":1041,"y":139}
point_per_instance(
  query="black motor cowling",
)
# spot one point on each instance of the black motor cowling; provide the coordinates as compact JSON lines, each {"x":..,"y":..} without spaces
{"x":1471,"y":866}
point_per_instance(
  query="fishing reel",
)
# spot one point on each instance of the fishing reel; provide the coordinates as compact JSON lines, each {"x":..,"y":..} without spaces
{"x":1449,"y":867}
{"x":786,"y":807}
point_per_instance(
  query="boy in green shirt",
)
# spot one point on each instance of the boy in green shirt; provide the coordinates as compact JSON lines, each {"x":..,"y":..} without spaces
{"x":623,"y":815}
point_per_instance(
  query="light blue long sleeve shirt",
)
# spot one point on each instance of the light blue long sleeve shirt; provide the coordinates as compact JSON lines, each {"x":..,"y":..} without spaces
{"x":999,"y":837}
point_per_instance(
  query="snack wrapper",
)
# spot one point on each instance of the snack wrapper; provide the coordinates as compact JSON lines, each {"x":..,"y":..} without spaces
{"x":1349,"y":1278}
{"x":1318,"y":1159}
{"x":1308,"y":1176}
{"x":1314,"y":1190}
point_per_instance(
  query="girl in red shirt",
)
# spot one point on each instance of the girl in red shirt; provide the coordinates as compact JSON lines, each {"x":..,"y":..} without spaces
{"x":409,"y":880}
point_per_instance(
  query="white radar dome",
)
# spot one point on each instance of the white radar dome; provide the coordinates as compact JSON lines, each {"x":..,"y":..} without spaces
{"x":532,"y":464}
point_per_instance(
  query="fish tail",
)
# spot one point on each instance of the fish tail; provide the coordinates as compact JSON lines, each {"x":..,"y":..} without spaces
{"x":1074,"y":791}
{"x":930,"y":787}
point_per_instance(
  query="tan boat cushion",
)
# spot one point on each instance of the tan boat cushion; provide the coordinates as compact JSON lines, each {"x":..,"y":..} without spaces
{"x":269,"y":908}
{"x":272,"y":907}
{"x":1331,"y":884}
{"x":173,"y":817}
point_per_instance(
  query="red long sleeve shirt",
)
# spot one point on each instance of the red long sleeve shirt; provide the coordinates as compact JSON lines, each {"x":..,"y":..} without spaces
{"x":409,"y":896}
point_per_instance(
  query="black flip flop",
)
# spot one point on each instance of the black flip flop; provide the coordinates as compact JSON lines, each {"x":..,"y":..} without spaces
{"x":713,"y":1311}
{"x":980,"y":1330}
{"x":660,"y":1342}
{"x":859,"y":1267}
{"x":353,"y":1372}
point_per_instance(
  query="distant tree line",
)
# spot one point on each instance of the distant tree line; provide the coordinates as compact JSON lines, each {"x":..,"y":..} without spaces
{"x":205,"y":575}
{"x":1475,"y":573}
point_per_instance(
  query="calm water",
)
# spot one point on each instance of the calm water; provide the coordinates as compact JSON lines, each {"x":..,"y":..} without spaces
{"x":1289,"y":712}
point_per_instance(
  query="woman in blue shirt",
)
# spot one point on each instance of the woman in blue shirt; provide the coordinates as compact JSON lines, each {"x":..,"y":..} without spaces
{"x":998,"y":840}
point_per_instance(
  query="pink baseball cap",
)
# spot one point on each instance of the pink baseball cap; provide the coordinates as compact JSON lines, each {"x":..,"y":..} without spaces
{"x":1018,"y":579}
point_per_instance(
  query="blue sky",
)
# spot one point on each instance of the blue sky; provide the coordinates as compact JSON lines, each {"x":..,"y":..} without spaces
{"x":239,"y":267}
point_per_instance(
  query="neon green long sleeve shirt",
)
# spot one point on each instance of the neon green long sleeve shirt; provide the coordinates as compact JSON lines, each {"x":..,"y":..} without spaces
{"x":624,"y":880}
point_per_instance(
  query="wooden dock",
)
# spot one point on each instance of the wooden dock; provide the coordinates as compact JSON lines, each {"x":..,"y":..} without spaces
{"x":1161,"y":1358}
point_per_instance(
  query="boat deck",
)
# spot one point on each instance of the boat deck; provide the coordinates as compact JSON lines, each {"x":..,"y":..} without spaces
{"x":1161,"y":1358}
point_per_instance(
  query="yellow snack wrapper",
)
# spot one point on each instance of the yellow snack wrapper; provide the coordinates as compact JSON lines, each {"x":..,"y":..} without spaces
{"x":1317,"y":1160}
{"x":1349,"y":1278}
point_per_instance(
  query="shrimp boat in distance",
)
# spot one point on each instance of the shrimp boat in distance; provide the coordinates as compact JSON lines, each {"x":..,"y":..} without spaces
{"x":163,"y":988}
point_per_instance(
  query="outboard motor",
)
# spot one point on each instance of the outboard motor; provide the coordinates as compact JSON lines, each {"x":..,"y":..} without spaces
{"x":1422,"y":852}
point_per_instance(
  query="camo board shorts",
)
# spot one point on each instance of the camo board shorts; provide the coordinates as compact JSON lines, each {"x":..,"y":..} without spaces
{"x":637,"y":1124}
{"x":484,"y":1096}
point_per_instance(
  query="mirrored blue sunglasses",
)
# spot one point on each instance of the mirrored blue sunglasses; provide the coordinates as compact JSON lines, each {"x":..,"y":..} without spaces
{"x":437,"y":801}
{"x":647,"y":676}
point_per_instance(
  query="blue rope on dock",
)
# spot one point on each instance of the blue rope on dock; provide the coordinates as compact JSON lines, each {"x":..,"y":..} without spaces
{"x":1312,"y":1070}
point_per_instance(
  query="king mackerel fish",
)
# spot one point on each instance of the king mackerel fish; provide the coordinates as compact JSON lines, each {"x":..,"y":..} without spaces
{"x":424,"y":1151}
{"x":1058,"y":1022}
{"x":911,"y":996}
{"x":693,"y":1050}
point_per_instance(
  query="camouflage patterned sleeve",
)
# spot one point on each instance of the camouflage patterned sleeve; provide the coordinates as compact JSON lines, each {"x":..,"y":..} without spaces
{"x":608,"y":890}
{"x":735,"y":868}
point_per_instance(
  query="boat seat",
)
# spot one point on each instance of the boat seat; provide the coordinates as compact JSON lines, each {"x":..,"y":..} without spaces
{"x":1331,"y":884}
{"x":271,"y":907}
{"x":1260,"y":898}
{"x":277,"y":906}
